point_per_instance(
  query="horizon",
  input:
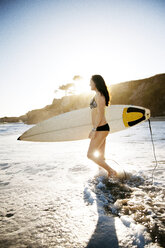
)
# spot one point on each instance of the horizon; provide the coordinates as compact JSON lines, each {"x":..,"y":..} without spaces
{"x":44,"y":44}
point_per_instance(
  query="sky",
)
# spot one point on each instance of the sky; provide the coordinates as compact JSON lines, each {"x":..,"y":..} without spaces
{"x":45,"y":43}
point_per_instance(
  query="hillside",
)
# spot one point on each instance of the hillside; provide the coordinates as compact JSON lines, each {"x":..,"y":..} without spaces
{"x":148,"y":92}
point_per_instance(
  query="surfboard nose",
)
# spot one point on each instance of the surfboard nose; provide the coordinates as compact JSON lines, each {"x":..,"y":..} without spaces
{"x":135,"y":115}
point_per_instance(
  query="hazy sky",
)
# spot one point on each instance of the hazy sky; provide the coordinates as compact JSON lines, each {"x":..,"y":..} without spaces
{"x":44,"y":43}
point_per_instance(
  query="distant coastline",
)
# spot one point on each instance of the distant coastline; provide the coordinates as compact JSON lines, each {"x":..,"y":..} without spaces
{"x":158,"y":118}
{"x":148,"y":92}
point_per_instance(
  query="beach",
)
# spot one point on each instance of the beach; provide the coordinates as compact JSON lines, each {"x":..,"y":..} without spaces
{"x":51,"y":195}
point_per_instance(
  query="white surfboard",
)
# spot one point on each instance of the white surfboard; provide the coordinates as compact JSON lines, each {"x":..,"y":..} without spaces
{"x":76,"y":124}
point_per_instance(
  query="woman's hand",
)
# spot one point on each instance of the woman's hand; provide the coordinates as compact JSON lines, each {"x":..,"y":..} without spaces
{"x":92,"y":135}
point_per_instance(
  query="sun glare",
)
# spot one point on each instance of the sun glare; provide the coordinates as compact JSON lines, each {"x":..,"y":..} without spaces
{"x":82,"y":86}
{"x":96,"y":154}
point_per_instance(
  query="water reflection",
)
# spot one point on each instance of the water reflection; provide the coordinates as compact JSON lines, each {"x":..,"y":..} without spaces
{"x":105,"y":232}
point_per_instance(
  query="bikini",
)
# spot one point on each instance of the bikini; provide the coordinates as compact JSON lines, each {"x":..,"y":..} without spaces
{"x":93,"y":103}
{"x":105,"y":127}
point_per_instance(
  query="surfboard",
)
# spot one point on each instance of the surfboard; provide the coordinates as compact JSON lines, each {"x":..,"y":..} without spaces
{"x":76,"y":124}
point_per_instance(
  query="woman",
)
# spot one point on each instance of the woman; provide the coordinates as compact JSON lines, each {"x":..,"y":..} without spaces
{"x":100,"y":126}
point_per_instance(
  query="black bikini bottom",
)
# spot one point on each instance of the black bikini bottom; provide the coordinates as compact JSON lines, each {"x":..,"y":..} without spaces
{"x":103,"y":128}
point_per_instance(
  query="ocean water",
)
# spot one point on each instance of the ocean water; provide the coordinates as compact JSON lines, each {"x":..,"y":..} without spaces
{"x":51,"y":195}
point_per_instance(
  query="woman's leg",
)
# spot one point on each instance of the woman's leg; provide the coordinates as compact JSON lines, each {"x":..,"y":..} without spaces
{"x":95,"y":144}
{"x":101,"y":150}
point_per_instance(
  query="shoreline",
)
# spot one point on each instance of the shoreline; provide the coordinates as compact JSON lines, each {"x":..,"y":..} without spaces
{"x":157,"y":118}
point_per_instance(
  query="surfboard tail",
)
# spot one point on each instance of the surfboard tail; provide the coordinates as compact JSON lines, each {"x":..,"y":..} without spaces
{"x":134,"y":115}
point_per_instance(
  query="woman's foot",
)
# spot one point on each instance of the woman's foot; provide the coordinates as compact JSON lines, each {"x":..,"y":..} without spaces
{"x":112,"y":173}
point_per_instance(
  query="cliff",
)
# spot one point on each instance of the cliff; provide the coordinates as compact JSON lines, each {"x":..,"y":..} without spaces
{"x":148,"y":92}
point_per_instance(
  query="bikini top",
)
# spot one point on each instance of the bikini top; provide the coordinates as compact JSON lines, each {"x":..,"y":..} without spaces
{"x":93,"y":103}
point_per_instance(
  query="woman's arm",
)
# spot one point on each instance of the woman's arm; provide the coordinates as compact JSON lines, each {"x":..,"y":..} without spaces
{"x":100,"y":100}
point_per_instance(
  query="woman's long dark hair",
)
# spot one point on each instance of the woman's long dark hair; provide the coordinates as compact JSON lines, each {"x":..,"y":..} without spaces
{"x":101,"y":87}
